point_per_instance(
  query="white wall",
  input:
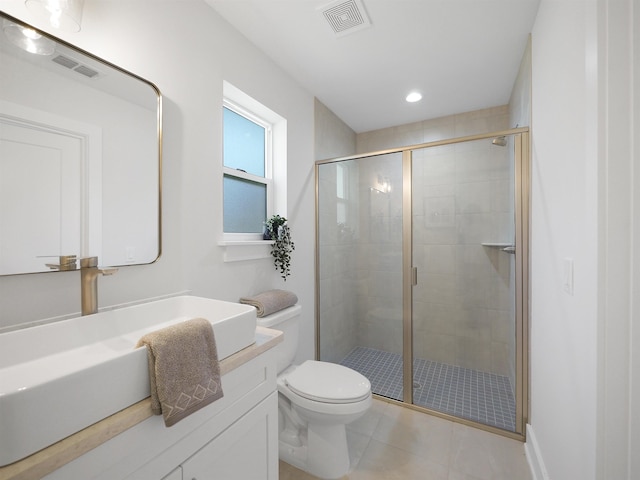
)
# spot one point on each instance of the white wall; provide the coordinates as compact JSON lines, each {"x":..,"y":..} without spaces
{"x":564,"y":224}
{"x":618,"y":24}
{"x":187,"y":50}
{"x":520,"y":100}
{"x":584,"y":350}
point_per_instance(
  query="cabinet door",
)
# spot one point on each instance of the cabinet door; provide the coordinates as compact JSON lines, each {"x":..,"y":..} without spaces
{"x":247,"y":450}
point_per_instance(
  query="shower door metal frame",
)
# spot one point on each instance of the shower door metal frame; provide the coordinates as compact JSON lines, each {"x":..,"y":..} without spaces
{"x":409,"y":280}
{"x":522,"y":205}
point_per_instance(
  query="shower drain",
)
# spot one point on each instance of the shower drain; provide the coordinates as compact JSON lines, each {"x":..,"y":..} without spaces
{"x":417,"y":385}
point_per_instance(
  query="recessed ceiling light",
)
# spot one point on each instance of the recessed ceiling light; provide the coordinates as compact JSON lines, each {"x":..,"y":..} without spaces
{"x":414,"y":97}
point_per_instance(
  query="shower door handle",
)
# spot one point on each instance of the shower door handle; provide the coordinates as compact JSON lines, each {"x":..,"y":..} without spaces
{"x":414,"y":276}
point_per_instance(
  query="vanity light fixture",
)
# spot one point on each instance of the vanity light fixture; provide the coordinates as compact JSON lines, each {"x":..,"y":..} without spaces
{"x":61,"y":14}
{"x":414,"y":97}
{"x":27,"y":38}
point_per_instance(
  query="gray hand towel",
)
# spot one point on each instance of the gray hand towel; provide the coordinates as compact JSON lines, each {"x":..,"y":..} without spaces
{"x":271,"y":301}
{"x":184,"y":372}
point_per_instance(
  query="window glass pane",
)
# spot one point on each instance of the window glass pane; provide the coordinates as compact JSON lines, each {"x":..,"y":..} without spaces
{"x":245,"y":205}
{"x":244,"y":143}
{"x":341,"y":213}
{"x":341,"y":181}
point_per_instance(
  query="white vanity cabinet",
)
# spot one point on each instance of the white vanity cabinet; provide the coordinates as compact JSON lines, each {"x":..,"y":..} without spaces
{"x":246,"y":450}
{"x":242,"y":452}
{"x":234,"y":438}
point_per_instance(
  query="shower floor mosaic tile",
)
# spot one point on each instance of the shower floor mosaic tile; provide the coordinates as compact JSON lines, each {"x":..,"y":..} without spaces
{"x":479,"y":396}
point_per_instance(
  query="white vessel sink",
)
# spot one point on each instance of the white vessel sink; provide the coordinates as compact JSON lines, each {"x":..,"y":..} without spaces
{"x":59,"y":378}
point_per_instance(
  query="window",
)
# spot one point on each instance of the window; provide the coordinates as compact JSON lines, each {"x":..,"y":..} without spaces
{"x":247,"y":179}
{"x":254,"y":166}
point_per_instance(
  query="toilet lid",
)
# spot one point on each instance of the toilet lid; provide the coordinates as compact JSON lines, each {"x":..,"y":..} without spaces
{"x":328,"y":383}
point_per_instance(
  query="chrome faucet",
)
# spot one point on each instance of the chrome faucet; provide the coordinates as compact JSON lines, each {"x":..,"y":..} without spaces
{"x":89,"y":273}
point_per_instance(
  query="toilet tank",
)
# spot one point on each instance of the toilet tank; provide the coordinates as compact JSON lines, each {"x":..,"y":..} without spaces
{"x":287,"y":321}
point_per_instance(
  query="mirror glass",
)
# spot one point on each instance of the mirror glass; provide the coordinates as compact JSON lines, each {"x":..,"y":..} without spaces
{"x":80,"y":156}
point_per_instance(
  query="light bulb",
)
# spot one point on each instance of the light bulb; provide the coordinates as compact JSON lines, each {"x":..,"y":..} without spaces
{"x":414,"y":97}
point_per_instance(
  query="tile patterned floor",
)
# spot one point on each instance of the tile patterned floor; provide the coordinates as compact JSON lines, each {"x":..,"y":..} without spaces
{"x":479,"y":396}
{"x":391,"y":442}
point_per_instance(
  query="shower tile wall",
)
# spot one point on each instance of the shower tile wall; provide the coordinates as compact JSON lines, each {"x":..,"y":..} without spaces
{"x":463,"y":303}
{"x":459,"y":125}
{"x":462,"y":306}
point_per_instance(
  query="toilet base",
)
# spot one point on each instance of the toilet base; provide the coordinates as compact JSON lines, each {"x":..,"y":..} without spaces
{"x":330,"y":456}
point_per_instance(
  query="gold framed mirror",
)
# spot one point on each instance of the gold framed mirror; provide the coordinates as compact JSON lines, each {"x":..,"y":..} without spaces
{"x":80,"y":156}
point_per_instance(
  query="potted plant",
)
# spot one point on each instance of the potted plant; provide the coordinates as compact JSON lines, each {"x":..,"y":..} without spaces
{"x":276,"y":229}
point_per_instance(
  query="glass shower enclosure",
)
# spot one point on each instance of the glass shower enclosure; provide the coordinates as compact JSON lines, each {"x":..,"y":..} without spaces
{"x":421,"y":275}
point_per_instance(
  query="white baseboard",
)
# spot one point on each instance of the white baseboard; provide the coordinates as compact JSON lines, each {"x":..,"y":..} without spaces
{"x":534,"y":457}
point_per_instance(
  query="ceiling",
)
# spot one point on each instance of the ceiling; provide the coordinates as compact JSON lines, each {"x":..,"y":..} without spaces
{"x":462,"y":55}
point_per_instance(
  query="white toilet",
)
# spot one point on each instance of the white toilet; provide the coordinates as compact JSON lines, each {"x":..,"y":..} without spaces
{"x":315,"y":402}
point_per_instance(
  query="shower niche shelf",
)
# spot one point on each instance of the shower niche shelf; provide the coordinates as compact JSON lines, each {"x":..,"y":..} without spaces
{"x":505,"y":247}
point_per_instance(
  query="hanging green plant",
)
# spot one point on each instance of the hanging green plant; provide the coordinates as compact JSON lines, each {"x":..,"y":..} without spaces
{"x":276,"y":229}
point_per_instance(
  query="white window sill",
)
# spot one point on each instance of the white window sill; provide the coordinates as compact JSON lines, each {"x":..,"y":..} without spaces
{"x":239,"y":250}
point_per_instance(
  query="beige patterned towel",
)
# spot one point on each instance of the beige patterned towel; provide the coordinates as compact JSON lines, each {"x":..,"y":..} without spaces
{"x":184,"y":372}
{"x":271,"y":301}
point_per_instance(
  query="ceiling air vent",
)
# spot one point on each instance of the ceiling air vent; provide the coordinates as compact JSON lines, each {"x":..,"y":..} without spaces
{"x":75,"y":66}
{"x":86,"y":71}
{"x":65,"y":61}
{"x":346,"y":17}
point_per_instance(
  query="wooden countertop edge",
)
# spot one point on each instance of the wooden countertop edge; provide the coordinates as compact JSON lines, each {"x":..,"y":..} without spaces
{"x":55,"y":456}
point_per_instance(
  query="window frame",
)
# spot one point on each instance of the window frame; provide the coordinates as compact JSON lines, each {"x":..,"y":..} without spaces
{"x":267,"y":180}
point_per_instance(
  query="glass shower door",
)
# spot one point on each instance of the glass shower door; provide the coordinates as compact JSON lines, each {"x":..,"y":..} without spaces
{"x":360,"y":268}
{"x":421,"y":274}
{"x":464,"y":300}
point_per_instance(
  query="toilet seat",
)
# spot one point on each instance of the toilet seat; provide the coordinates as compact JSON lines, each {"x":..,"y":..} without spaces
{"x":328,"y":383}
